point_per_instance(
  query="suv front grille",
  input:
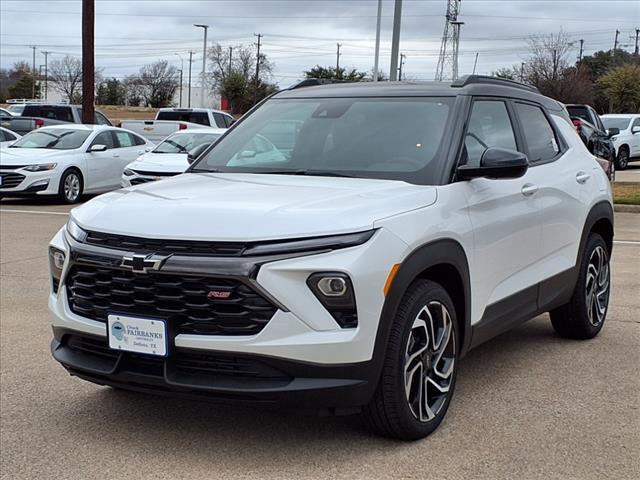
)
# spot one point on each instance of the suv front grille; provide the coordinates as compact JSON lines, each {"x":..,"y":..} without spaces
{"x":182,"y":300}
{"x":11,"y":180}
{"x":165,"y":247}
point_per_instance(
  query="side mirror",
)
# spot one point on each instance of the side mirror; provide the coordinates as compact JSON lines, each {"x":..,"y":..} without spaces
{"x":612,"y":132}
{"x":196,"y":152}
{"x":98,"y":148}
{"x":496,"y":163}
{"x":635,"y":130}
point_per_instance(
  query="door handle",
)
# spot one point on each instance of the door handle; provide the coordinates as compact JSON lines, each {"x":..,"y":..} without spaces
{"x":582,"y":177}
{"x":529,"y":189}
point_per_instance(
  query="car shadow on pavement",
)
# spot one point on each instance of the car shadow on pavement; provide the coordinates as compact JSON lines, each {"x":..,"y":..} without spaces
{"x":193,"y":428}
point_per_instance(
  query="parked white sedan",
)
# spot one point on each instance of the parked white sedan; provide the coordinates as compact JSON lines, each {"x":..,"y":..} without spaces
{"x":171,"y":156}
{"x":68,"y":160}
{"x":7,"y":137}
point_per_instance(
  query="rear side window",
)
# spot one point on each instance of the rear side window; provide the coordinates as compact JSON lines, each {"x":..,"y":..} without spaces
{"x":580,"y":112}
{"x":101,"y":119}
{"x":138,"y":140}
{"x":538,"y":133}
{"x":228,"y":121}
{"x":489,"y":126}
{"x":219,"y":118}
{"x":201,"y":118}
{"x":125,"y":139}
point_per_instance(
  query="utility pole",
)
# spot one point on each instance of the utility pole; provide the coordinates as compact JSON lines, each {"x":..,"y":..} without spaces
{"x":395,"y":41}
{"x":180,"y":105}
{"x":189,"y":88}
{"x":636,"y":52}
{"x":402,"y":57}
{"x":88,"y":66}
{"x":475,"y":64}
{"x":46,"y":73}
{"x":581,"y":50}
{"x":555,"y":63}
{"x":255,"y":91}
{"x":615,"y":43}
{"x":456,"y":46}
{"x":230,"y":55}
{"x":338,"y":45}
{"x":522,"y":72}
{"x":33,"y":73}
{"x":377,"y":54}
{"x":204,"y":63}
{"x":181,"y":74}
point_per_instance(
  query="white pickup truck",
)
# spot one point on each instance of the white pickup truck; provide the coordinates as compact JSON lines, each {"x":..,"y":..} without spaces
{"x":170,"y":120}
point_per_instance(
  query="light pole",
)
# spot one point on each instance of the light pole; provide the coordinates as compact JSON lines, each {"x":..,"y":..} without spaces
{"x":181,"y":71}
{"x":377,"y":54}
{"x":204,"y":61}
{"x":395,"y":40}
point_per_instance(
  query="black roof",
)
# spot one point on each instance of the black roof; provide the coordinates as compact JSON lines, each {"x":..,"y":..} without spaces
{"x":471,"y":85}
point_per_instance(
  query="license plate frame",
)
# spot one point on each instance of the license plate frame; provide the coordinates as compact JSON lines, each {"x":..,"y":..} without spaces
{"x":147,"y":336}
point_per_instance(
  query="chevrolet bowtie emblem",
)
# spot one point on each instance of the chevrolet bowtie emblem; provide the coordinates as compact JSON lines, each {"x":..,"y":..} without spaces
{"x":143,"y":263}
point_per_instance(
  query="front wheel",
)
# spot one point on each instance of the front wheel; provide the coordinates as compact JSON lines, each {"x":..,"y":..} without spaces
{"x":71,"y":186}
{"x":586,"y":312}
{"x":420,"y":365}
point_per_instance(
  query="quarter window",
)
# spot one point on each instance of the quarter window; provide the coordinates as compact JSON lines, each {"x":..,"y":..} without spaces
{"x":489,"y":126}
{"x":541,"y":139}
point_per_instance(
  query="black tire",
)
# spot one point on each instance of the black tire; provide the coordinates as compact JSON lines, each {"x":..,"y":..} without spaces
{"x":583,"y":317}
{"x":71,"y":186}
{"x":622,"y":160}
{"x":391,"y":412}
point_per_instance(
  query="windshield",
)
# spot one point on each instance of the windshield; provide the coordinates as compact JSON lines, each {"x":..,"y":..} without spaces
{"x":185,"y":142}
{"x":16,"y":109}
{"x":613,"y":122}
{"x":389,"y":138}
{"x":55,"y":139}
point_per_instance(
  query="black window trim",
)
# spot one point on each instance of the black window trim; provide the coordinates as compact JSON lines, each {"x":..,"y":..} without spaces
{"x":560,"y":141}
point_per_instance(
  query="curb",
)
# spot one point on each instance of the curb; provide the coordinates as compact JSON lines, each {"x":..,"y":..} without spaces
{"x":626,"y":208}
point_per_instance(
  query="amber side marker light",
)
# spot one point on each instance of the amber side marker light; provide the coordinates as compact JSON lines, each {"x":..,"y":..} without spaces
{"x":392,"y":275}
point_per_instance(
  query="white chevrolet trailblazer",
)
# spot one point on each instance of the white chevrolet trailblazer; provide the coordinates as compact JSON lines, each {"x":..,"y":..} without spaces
{"x":398,"y":226}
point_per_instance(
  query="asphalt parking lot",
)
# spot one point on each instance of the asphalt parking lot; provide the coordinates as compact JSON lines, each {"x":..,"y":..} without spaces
{"x":528,"y":404}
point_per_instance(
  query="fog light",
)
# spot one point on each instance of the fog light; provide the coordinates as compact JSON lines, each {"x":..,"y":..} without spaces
{"x":335,"y":292}
{"x":332,"y":286}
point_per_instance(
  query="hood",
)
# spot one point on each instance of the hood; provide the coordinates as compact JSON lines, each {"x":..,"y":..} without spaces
{"x":160,"y":162}
{"x":30,"y":156}
{"x":241,"y":207}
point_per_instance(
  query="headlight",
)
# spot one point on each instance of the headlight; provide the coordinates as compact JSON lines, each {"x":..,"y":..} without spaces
{"x":75,"y":231}
{"x":335,"y":292}
{"x":40,"y":168}
{"x":128,"y":173}
{"x":56,"y":264}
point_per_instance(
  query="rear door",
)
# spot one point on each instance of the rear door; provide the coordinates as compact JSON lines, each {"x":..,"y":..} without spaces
{"x":635,"y":138}
{"x":504,"y":212}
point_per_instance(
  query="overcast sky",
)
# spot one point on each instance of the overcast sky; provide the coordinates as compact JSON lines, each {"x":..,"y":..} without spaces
{"x":299,"y":34}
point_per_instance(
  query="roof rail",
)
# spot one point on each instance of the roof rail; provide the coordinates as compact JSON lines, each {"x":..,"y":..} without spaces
{"x":484,"y":79}
{"x":312,"y":82}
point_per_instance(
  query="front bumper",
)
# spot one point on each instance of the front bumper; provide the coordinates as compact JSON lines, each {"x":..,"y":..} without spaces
{"x":23,"y":183}
{"x":321,"y":363}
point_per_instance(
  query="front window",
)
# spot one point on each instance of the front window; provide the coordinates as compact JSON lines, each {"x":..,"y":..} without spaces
{"x":54,"y":139}
{"x":619,"y":123}
{"x":394,"y":138}
{"x":185,"y":142}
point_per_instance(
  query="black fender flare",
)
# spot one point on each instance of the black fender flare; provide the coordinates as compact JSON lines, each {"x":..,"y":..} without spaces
{"x":600,"y":211}
{"x":439,"y":252}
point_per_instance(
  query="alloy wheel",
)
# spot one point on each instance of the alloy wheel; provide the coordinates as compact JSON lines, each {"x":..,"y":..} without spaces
{"x":597,"y":286}
{"x":71,"y":187}
{"x":429,"y":361}
{"x":623,"y":159}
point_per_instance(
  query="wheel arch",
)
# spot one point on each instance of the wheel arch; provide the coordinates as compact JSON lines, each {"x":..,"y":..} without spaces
{"x":600,"y":221}
{"x":442,"y":261}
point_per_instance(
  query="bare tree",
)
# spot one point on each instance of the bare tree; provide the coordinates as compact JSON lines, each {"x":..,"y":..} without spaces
{"x":133,"y":90}
{"x":159,"y":83}
{"x":548,"y":58}
{"x":243,"y":62}
{"x":66,"y":76}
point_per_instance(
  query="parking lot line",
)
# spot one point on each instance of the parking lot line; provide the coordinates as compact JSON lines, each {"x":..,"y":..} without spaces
{"x":626,"y":242}
{"x":34,"y":212}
